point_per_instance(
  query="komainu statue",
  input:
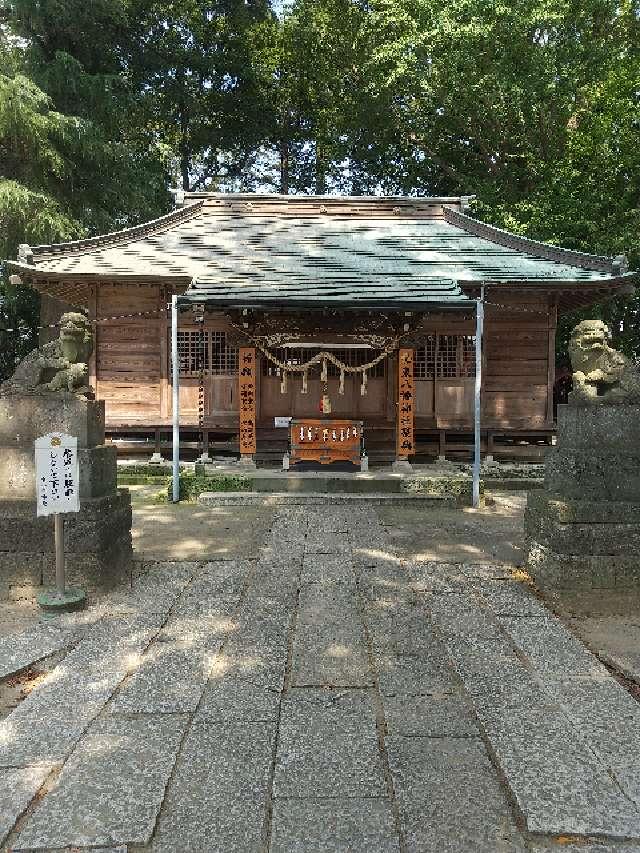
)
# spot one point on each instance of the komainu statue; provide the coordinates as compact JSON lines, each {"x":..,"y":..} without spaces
{"x":601,"y":374}
{"x":60,"y":366}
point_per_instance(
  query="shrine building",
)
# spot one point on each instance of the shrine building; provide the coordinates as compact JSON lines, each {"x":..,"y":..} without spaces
{"x":342,"y":307}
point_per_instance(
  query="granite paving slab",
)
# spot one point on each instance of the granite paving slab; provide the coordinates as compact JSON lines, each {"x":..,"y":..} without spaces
{"x":170,"y":679}
{"x":408,"y":630}
{"x":328,"y":746}
{"x":329,"y":646}
{"x":210,"y":822}
{"x":321,"y":764}
{"x":481,"y":657}
{"x":553,"y":651}
{"x":608,"y":719}
{"x":17,"y":788}
{"x":48,"y":722}
{"x":438,"y":715}
{"x":336,"y":710}
{"x":232,"y":759}
{"x":238,"y":699}
{"x":250,"y":665}
{"x":327,"y":569}
{"x":321,"y":542}
{"x":413,"y":675}
{"x":558,"y":783}
{"x":353,"y":825}
{"x":512,"y":598}
{"x":19,"y":650}
{"x":111,"y":788}
{"x":449,"y":797}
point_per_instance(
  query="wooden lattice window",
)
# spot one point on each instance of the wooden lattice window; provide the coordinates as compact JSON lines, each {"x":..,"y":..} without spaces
{"x":205,"y":350}
{"x":424,"y":359}
{"x":224,"y":358}
{"x":446,"y":357}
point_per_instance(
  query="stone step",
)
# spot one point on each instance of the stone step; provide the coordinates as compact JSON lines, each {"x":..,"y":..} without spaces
{"x":320,"y":498}
{"x":318,"y":483}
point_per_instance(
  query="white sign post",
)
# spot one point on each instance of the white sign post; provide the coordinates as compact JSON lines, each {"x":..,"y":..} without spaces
{"x":58,"y":491}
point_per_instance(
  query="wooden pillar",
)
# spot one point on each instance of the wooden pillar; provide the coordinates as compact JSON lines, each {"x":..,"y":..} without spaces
{"x":405,"y":444}
{"x":93,"y":358}
{"x":247,"y":403}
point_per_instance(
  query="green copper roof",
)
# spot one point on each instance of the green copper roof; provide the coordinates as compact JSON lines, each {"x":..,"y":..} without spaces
{"x":246,"y":250}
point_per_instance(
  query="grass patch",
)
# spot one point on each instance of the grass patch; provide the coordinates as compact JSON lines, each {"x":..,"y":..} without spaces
{"x":192,"y":485}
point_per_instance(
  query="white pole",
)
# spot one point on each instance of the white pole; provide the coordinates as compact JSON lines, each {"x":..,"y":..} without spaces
{"x":175,"y":379}
{"x":476,"y":408}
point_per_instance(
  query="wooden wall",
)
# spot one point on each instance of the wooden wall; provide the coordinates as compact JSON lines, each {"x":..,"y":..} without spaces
{"x":519,"y":362}
{"x":130,"y":367}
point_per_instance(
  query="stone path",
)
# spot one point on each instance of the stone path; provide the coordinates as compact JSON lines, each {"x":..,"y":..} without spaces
{"x":326,"y":693}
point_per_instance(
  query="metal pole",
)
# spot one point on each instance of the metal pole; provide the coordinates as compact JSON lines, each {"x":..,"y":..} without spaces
{"x":175,"y":379}
{"x":476,"y":408}
{"x":58,"y":526}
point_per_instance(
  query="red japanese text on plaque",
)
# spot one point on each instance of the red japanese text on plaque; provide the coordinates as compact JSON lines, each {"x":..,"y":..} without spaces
{"x":247,"y":399}
{"x":406,"y":403}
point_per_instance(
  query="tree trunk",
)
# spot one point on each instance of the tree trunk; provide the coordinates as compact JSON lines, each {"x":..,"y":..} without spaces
{"x":284,"y":166}
{"x":320,"y":171}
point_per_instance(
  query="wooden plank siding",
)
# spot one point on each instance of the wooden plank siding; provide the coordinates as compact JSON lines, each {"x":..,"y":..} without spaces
{"x":517,"y":346}
{"x":132,"y":370}
{"x":128,"y":368}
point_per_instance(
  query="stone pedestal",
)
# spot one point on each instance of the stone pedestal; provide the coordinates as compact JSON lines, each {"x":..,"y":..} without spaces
{"x":98,"y":538}
{"x":583,"y":528}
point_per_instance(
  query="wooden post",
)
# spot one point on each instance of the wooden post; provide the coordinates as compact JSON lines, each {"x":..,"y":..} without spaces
{"x":405,"y":445}
{"x":247,"y":403}
{"x":93,"y":313}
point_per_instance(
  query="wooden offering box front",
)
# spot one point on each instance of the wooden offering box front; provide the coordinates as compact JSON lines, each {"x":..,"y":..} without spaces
{"x":325,"y":441}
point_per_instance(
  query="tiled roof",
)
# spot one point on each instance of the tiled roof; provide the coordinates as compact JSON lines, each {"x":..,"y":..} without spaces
{"x":244,"y":250}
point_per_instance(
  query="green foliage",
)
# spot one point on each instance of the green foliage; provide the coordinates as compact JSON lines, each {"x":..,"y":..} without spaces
{"x":533,"y":106}
{"x":191,"y":485}
{"x":192,"y":64}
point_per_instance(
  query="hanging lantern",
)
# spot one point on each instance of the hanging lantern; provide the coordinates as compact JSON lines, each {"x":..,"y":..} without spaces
{"x":325,"y":404}
{"x":363,"y":387}
{"x":283,"y":382}
{"x":341,"y":385}
{"x":324,"y":373}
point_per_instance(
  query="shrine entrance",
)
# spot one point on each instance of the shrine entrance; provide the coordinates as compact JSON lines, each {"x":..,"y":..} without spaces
{"x":297,"y":399}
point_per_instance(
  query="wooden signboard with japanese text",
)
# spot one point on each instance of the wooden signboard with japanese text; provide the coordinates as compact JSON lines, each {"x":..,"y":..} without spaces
{"x":406,"y":403}
{"x":247,"y":399}
{"x":325,"y":441}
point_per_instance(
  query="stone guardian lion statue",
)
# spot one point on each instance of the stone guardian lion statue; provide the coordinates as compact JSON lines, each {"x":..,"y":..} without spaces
{"x":61,"y":366}
{"x":601,"y":374}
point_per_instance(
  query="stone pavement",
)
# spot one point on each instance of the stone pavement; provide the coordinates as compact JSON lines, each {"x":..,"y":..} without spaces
{"x":331,"y":691}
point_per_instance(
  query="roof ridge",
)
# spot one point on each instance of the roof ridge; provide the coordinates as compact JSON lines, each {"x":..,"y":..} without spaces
{"x":615,"y":266}
{"x":289,"y":198}
{"x":113,"y":238}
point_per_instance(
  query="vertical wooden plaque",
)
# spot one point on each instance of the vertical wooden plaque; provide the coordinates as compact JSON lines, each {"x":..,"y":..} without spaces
{"x":247,"y":399}
{"x":406,"y":403}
